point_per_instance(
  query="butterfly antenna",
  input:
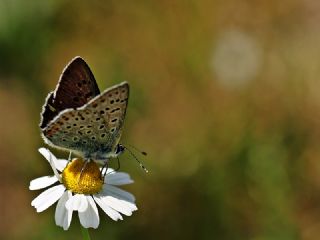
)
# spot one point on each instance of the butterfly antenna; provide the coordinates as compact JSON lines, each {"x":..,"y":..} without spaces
{"x":134,"y":156}
{"x":138,"y":150}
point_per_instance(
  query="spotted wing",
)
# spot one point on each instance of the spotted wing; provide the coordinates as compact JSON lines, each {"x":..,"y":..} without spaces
{"x":76,"y":87}
{"x":93,"y":129}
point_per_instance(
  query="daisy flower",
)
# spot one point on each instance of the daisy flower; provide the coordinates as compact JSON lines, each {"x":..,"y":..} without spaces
{"x":82,"y":192}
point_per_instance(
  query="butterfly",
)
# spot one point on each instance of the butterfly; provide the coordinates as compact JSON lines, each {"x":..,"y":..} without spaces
{"x":78,"y":118}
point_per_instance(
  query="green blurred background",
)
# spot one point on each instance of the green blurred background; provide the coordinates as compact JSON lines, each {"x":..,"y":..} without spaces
{"x":224,"y":98}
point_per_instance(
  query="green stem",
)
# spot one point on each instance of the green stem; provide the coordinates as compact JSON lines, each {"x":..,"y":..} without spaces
{"x":85,"y":233}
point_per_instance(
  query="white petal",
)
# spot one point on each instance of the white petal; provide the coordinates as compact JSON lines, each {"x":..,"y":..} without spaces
{"x":90,"y":217}
{"x":63,"y":215}
{"x":109,"y":171}
{"x":48,"y":197}
{"x":121,"y":206}
{"x":114,"y":215}
{"x":51,"y":159}
{"x":48,"y":155}
{"x":110,"y":190}
{"x":118,"y":178}
{"x":42,"y":182}
{"x":77,"y":202}
{"x":61,"y":164}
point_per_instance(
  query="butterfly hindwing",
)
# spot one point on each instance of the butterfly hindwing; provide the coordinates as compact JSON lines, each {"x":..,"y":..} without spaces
{"x":93,"y":129}
{"x":76,"y":87}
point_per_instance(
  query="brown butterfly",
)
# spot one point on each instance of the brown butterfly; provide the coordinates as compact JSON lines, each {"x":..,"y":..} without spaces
{"x":78,"y":118}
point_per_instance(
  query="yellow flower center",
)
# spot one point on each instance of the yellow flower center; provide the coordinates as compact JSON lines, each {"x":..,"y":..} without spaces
{"x":81,"y":177}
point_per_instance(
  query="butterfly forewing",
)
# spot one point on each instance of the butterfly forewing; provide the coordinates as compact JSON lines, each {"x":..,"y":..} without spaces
{"x":93,"y":129}
{"x":75,"y":88}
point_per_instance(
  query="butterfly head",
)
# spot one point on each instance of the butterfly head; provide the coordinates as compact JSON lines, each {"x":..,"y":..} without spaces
{"x":119,"y":149}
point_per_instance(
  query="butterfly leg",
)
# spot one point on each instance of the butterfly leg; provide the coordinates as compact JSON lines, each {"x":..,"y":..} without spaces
{"x":105,"y":166}
{"x":70,"y":156}
{"x":83,"y":168}
{"x":118,"y":167}
{"x":115,"y":170}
